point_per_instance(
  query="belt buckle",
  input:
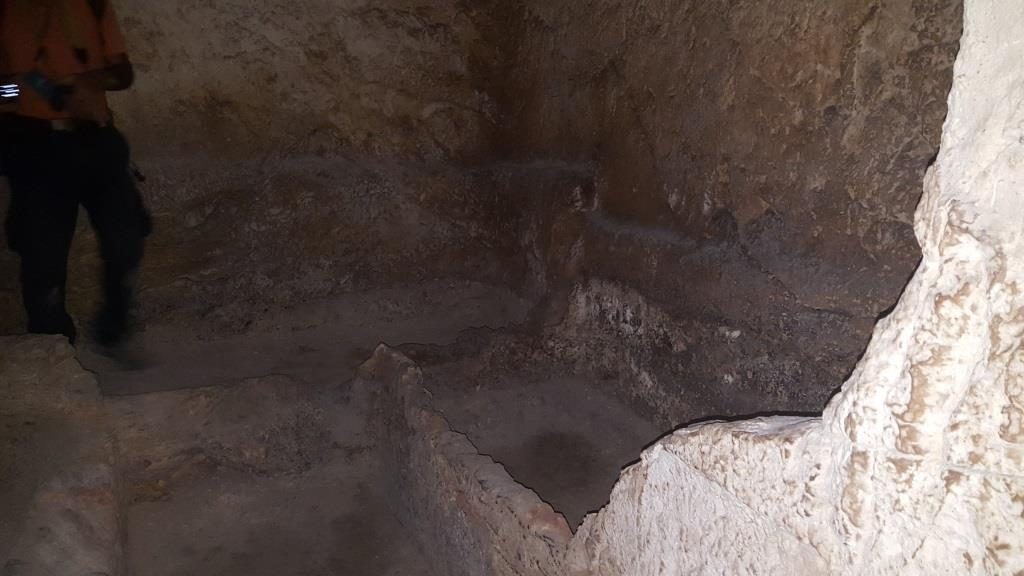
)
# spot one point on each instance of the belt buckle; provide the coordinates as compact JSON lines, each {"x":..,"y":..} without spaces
{"x":62,"y":124}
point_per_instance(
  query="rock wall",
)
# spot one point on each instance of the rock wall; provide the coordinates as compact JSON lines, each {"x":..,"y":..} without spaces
{"x":296,"y":150}
{"x":712,"y":197}
{"x":756,"y":169}
{"x":917,"y":466}
{"x":236,"y":79}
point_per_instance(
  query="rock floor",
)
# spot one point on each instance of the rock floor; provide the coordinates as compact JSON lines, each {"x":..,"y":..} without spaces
{"x":561,"y":435}
{"x":248,"y":454}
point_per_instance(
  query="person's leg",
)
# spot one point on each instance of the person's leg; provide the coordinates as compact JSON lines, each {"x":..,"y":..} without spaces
{"x":121,"y":223}
{"x":40,"y":226}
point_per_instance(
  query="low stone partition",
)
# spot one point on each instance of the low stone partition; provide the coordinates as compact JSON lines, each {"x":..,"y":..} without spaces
{"x":474,"y":519}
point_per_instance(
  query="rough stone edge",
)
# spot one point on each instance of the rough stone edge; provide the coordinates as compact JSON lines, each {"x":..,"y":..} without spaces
{"x":474,"y":517}
{"x":74,"y":523}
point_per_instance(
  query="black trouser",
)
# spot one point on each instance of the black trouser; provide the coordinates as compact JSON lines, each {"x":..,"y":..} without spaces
{"x":51,"y":172}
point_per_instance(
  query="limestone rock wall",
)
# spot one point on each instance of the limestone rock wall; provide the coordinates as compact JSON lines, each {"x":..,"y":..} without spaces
{"x":473,"y":517}
{"x":233,"y":240}
{"x":234,"y":79}
{"x":757,"y":165}
{"x":917,"y":466}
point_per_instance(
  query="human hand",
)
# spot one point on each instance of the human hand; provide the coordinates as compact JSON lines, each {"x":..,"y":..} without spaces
{"x":85,"y":100}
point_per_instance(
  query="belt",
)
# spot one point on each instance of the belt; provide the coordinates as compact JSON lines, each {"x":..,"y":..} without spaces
{"x":72,"y":124}
{"x":17,"y":124}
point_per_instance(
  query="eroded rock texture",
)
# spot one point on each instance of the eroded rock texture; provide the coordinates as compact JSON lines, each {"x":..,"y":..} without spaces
{"x":917,"y":467}
{"x":472,"y":516}
{"x":756,"y":166}
{"x":58,"y":484}
{"x":235,"y":79}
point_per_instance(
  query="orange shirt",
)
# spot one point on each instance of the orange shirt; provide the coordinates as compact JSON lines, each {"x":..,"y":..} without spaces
{"x":43,"y":35}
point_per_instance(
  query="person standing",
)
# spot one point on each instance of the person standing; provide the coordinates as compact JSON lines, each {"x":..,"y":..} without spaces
{"x":60,"y":150}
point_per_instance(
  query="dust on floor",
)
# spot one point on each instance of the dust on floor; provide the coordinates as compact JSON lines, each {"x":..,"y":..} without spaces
{"x":267,"y":477}
{"x":248,"y":455}
{"x":319,"y":343}
{"x":565,"y":435}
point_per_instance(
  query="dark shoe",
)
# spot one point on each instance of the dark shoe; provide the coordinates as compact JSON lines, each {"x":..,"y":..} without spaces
{"x":63,"y":325}
{"x":110,"y":328}
{"x":127,"y":355}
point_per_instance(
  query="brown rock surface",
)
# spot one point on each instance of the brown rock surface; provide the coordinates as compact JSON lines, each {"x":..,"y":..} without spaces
{"x":58,"y":486}
{"x":237,"y":80}
{"x":473,"y":517}
{"x":744,"y":171}
{"x":757,"y":167}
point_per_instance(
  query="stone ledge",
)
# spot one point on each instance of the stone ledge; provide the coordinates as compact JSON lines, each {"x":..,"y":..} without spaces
{"x":476,"y":520}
